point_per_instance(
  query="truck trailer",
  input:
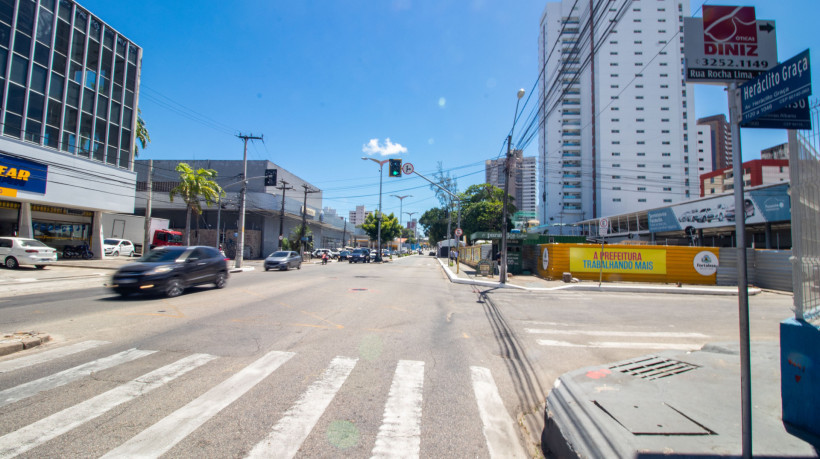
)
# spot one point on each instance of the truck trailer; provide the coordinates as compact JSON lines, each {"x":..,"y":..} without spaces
{"x":132,"y":227}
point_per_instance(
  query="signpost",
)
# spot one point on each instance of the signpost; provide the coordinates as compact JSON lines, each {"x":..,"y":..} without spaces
{"x":778,"y":88}
{"x":795,"y":116}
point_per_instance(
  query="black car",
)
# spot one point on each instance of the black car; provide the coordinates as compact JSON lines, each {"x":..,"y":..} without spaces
{"x":170,"y":270}
{"x":359,"y":255}
{"x":344,"y":255}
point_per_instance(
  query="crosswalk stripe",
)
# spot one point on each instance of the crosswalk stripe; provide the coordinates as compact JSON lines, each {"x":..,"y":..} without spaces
{"x":400,"y":433}
{"x":288,"y":434}
{"x":499,"y":431}
{"x":618,"y":345}
{"x":615,"y":333}
{"x":35,"y":434}
{"x":162,"y":436}
{"x":45,"y":356}
{"x":64,"y":377}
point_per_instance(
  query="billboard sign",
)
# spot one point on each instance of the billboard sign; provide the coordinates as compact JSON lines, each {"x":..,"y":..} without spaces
{"x":761,"y":205}
{"x":617,"y":260}
{"x":778,"y":88}
{"x":728,"y":44}
{"x":18,"y":174}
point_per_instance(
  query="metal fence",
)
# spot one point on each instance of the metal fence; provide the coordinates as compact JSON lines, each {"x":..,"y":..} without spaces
{"x":804,"y":170}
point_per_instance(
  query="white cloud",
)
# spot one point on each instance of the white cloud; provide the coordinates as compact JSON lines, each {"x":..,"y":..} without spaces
{"x":389,"y":148}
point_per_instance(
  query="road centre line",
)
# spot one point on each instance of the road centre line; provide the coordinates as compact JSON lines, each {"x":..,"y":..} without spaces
{"x":616,"y":333}
{"x":33,"y":435}
{"x":46,"y":356}
{"x":290,"y":432}
{"x":617,"y":345}
{"x":62,"y":378}
{"x":400,"y":433}
{"x":162,"y":436}
{"x":499,"y":427}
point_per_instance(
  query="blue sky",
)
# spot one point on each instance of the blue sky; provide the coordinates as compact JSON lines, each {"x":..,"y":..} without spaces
{"x":322,"y":79}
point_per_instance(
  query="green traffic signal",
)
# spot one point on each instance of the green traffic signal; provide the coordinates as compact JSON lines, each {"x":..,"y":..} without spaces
{"x":395,"y":168}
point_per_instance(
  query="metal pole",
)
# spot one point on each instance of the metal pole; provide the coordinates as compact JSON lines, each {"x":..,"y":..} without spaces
{"x":282,"y":214}
{"x":379,"y":223}
{"x":240,"y":244}
{"x":146,"y":240}
{"x":502,"y":270}
{"x":218,"y":218}
{"x":742,"y":282}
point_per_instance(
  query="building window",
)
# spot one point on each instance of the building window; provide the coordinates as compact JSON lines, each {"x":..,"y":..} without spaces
{"x":641,"y":165}
{"x":616,"y":177}
{"x":666,"y":154}
{"x":616,"y":165}
{"x":639,"y":131}
{"x":667,"y":200}
{"x":641,"y":188}
{"x":639,"y":120}
{"x":667,"y":177}
{"x":642,"y":200}
{"x":641,"y":177}
{"x":667,"y":188}
{"x":615,"y":153}
{"x":641,"y":153}
{"x":641,"y":142}
{"x":616,"y":199}
{"x":667,"y":166}
{"x":616,"y":188}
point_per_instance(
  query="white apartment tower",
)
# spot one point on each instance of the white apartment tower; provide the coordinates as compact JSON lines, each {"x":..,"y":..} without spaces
{"x":617,"y":130}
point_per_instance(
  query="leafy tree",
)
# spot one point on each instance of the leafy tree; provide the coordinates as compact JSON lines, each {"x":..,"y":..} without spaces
{"x":295,"y":238}
{"x":193,"y":186}
{"x":142,"y":135}
{"x":434,"y":222}
{"x":390,"y":227}
{"x":482,"y":207}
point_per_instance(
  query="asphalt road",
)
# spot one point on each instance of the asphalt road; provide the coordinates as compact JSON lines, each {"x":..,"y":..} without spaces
{"x":356,"y":360}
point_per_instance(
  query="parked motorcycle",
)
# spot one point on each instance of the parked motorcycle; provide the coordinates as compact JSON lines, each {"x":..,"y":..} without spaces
{"x":79,"y":251}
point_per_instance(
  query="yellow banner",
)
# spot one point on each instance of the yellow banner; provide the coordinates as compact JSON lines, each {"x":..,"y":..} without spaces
{"x":10,"y":192}
{"x":617,"y":260}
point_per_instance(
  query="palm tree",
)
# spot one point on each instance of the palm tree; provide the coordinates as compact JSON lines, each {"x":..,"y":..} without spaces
{"x":194,"y":185}
{"x":143,"y":137}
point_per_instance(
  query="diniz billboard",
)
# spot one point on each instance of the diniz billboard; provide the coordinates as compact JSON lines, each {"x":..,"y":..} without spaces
{"x":761,"y":205}
{"x":728,"y":44}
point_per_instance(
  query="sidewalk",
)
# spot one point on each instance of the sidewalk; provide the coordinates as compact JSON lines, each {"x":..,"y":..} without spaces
{"x":464,"y":274}
{"x":672,"y":403}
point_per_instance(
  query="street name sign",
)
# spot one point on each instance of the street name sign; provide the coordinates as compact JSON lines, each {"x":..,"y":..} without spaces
{"x":728,"y":44}
{"x":780,"y":87}
{"x":795,"y":116}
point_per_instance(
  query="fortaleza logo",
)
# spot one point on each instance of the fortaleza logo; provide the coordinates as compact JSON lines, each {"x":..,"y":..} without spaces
{"x":729,"y":30}
{"x":706,"y":263}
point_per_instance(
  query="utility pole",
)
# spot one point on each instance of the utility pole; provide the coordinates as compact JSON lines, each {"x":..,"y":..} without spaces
{"x":304,"y":219}
{"x":415,"y":231}
{"x":344,"y":233}
{"x":284,"y":187}
{"x":240,"y":244}
{"x":401,"y":205}
{"x":146,"y":240}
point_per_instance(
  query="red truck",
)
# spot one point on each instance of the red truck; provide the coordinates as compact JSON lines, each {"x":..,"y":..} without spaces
{"x":132,"y":227}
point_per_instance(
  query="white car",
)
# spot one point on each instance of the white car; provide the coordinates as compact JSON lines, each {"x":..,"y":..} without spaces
{"x":16,"y":251}
{"x":116,"y":247}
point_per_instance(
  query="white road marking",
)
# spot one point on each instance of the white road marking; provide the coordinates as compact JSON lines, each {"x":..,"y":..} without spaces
{"x":617,"y":345}
{"x":162,"y":436}
{"x":33,"y":435}
{"x":400,"y":432}
{"x":616,"y":333}
{"x":45,"y":356}
{"x":499,"y":427}
{"x":288,"y":434}
{"x":64,"y":377}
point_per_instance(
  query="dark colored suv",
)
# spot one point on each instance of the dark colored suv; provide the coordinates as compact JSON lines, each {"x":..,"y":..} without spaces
{"x":359,"y":256}
{"x":170,"y":270}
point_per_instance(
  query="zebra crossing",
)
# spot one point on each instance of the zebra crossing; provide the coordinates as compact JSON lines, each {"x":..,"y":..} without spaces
{"x":649,"y":340}
{"x":398,"y":436}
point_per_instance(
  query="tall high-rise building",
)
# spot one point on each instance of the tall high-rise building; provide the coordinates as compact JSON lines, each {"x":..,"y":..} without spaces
{"x":356,"y":217}
{"x":616,"y":130}
{"x":721,"y":140}
{"x":703,"y":149}
{"x":523,"y":186}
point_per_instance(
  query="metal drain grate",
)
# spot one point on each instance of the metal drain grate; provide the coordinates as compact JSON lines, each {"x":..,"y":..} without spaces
{"x":653,"y":367}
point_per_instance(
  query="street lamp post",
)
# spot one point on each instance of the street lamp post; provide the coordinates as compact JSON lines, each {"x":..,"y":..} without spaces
{"x":502,"y":270}
{"x":415,"y":227}
{"x":401,"y":203}
{"x":379,"y":222}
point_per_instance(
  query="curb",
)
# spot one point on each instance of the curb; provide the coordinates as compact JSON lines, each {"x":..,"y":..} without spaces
{"x":603,"y":288}
{"x":15,"y":342}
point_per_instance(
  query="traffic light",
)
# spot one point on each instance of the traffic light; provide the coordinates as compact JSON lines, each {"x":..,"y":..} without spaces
{"x":395,"y":168}
{"x":270,"y":177}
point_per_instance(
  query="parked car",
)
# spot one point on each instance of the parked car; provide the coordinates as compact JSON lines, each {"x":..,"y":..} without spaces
{"x":16,"y":251}
{"x":115,"y":247}
{"x":319,"y":252}
{"x":359,"y":256}
{"x":283,"y":260}
{"x":170,"y":270}
{"x":344,"y":255}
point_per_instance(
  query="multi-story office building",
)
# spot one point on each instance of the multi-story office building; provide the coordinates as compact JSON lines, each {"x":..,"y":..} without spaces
{"x":720,"y":139}
{"x":755,"y":173}
{"x":524,"y":185}
{"x":617,"y":129}
{"x":69,"y":87}
{"x":776,"y":152}
{"x":358,"y":216}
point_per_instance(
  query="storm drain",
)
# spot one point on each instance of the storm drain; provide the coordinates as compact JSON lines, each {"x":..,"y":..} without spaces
{"x":653,"y":367}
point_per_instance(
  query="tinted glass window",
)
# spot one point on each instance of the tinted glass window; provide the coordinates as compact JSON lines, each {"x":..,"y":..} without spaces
{"x":22,"y":43}
{"x":16,"y":99}
{"x":45,"y":26}
{"x":41,"y":54}
{"x":6,"y":10}
{"x":31,"y":243}
{"x":25,"y":16}
{"x":38,"y":79}
{"x":19,"y":70}
{"x":163,"y":255}
{"x":56,"y":88}
{"x":5,"y":243}
{"x":35,"y":106}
